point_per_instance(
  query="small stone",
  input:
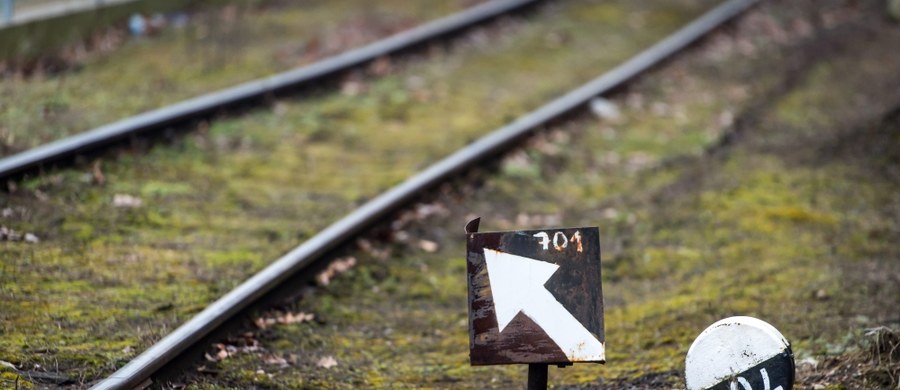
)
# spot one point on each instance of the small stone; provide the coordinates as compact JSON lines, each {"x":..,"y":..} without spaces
{"x":821,"y":295}
{"x":137,"y":25}
{"x":428,"y":246}
{"x":401,"y":236}
{"x":809,"y":361}
{"x":32,"y":238}
{"x":605,"y":109}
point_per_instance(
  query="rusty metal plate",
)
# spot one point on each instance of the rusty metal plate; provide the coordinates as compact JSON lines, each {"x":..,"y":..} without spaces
{"x":535,"y":296}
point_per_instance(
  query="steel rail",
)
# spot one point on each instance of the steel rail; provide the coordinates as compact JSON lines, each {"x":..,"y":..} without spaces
{"x":206,"y":104}
{"x":345,"y":229}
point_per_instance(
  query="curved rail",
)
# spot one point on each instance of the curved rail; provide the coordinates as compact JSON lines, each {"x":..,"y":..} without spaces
{"x":209,"y":103}
{"x":144,"y":365}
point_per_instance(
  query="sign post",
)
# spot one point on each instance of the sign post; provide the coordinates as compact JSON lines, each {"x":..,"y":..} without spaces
{"x":535,"y":298}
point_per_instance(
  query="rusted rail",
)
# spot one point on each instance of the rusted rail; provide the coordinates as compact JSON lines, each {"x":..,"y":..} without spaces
{"x":349,"y":227}
{"x":256,"y":90}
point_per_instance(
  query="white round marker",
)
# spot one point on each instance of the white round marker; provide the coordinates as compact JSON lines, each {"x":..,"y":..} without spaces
{"x":740,"y":353}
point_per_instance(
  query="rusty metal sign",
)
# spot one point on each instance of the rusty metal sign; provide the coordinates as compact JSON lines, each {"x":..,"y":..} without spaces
{"x":535,"y":296}
{"x":740,"y":353}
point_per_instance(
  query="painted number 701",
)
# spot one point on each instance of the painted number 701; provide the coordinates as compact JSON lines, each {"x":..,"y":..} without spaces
{"x":559,"y":241}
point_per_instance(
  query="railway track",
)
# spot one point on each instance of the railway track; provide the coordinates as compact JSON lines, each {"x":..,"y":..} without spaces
{"x":145,"y":365}
{"x":255,"y":91}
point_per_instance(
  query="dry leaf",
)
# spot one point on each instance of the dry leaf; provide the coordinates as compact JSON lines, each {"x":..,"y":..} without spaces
{"x":336,"y":267}
{"x":291,"y":318}
{"x":327,"y":362}
{"x":284,"y":318}
{"x":274,"y":359}
{"x":97,"y":173}
{"x":127,"y":201}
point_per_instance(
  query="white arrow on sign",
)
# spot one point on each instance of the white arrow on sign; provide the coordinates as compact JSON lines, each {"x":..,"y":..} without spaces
{"x":517,"y":284}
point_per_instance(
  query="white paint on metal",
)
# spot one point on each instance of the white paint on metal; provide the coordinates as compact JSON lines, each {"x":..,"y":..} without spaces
{"x":545,"y":239}
{"x":730,"y":347}
{"x":560,"y":241}
{"x":517,"y":284}
{"x":766,"y":383}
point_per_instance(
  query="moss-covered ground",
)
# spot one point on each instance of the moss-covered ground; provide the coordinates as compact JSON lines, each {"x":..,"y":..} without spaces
{"x":758,"y":175}
{"x":217,"y":48}
{"x":133,"y":244}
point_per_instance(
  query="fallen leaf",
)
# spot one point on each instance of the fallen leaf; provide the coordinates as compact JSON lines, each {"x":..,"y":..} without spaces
{"x":291,"y":318}
{"x":284,"y":319}
{"x":127,"y":201}
{"x":336,"y":267}
{"x":275,"y":360}
{"x":327,"y":362}
{"x":97,"y":173}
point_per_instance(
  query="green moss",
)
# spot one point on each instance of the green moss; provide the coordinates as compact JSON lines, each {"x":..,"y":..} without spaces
{"x":12,"y":380}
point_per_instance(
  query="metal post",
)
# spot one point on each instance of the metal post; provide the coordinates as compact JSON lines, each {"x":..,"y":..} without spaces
{"x":8,"y":6}
{"x":537,"y":376}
